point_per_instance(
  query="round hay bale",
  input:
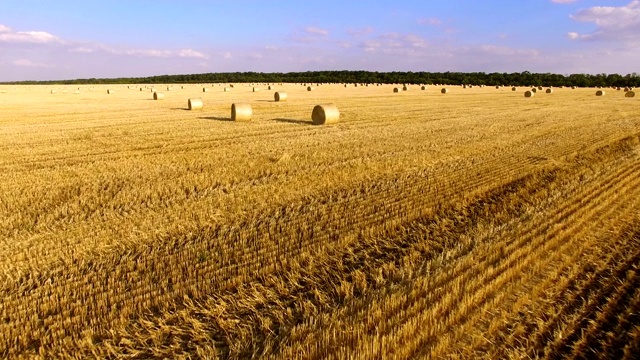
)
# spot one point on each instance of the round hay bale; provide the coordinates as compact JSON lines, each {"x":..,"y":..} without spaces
{"x":423,"y":88}
{"x":573,"y":87}
{"x":630,"y":94}
{"x":395,"y":90}
{"x":169,"y":88}
{"x":227,"y":89}
{"x":464,"y":86}
{"x":600,"y":93}
{"x":535,"y":90}
{"x":241,"y":112}
{"x":549,"y":91}
{"x":444,"y":91}
{"x":514,"y":89}
{"x":539,"y":87}
{"x":529,"y":93}
{"x":280,"y":96}
{"x":269,"y":87}
{"x":195,"y":104}
{"x":310,"y":88}
{"x":405,"y":88}
{"x":141,"y":89}
{"x":109,"y":91}
{"x":158,"y":96}
{"x":205,"y":90}
{"x":255,"y":89}
{"x":325,"y":114}
{"x":498,"y":86}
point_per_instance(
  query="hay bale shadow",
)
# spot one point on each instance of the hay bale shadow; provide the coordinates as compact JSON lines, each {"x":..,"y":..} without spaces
{"x":217,"y":118}
{"x":294,"y":121}
{"x":184,"y":109}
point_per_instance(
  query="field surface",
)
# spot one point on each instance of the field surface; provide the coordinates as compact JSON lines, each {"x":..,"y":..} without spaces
{"x":473,"y":224}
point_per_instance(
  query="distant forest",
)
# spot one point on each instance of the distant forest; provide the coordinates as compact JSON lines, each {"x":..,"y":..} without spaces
{"x":447,"y":78}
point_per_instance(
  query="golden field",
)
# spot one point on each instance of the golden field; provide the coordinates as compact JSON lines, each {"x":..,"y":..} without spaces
{"x":473,"y":224}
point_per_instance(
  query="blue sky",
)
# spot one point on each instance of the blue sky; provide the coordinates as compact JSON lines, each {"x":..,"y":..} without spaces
{"x":44,"y":40}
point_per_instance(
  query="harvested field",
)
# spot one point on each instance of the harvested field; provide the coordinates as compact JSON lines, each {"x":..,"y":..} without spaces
{"x":481,"y":224}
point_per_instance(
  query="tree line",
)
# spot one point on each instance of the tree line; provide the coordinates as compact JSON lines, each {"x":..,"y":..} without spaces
{"x":525,"y":78}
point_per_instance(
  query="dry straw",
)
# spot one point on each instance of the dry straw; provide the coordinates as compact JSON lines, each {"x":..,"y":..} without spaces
{"x":325,"y":114}
{"x":77,"y":92}
{"x":529,"y":93}
{"x":280,"y":96}
{"x":241,"y":112}
{"x":195,"y":104}
{"x":630,"y":94}
{"x":158,"y":96}
{"x":600,"y":93}
{"x":444,"y":90}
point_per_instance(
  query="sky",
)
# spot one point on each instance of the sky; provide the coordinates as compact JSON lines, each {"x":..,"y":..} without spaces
{"x":69,"y":39}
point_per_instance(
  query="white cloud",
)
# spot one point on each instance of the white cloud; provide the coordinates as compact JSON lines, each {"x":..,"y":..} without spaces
{"x":398,"y":43}
{"x":618,"y":24}
{"x":7,"y":35}
{"x":29,"y":63}
{"x":190,"y":53}
{"x":430,"y":21}
{"x":360,"y":32}
{"x":573,"y":35}
{"x":316,"y":31}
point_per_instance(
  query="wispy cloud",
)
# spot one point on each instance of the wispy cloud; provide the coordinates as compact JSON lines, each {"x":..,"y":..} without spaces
{"x":29,"y":63}
{"x":16,"y":38}
{"x":398,"y":43}
{"x":563,"y":1}
{"x":430,"y":21}
{"x":316,"y":31}
{"x":618,"y":24}
{"x":359,"y":31}
{"x":7,"y":35}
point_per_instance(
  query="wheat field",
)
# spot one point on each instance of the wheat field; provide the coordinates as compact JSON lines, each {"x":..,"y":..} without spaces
{"x":473,"y":224}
